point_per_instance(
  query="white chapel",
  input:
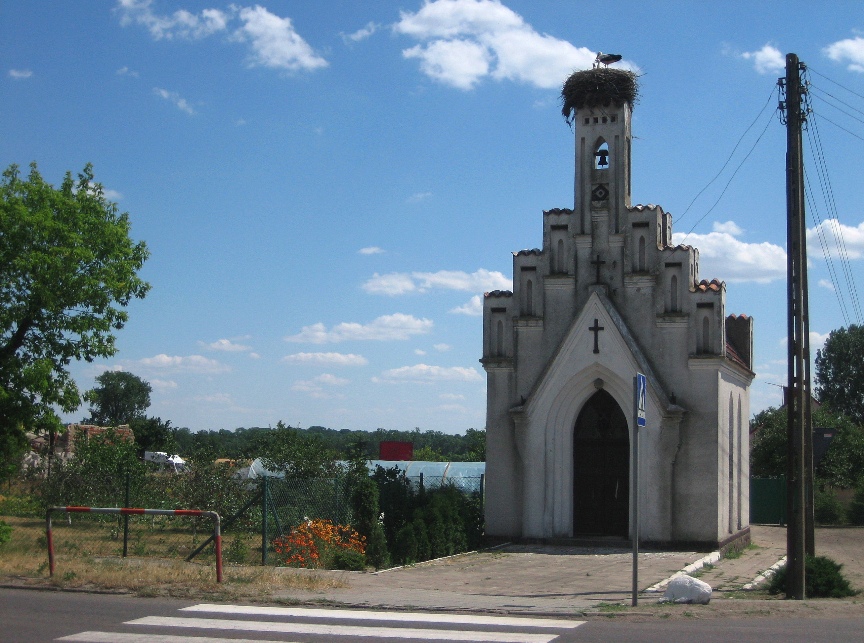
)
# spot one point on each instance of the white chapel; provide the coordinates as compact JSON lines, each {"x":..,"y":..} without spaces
{"x":607,"y":296}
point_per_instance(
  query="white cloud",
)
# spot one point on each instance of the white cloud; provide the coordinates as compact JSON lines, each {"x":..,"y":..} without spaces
{"x":20,"y":74}
{"x":315,"y":386}
{"x":112,"y":195}
{"x":417,"y":197}
{"x":768,"y":60}
{"x":173,"y":97}
{"x":465,"y":41}
{"x":724,"y":257}
{"x":451,"y":396}
{"x":473,"y":308}
{"x":419,"y":351}
{"x":849,"y":51}
{"x":427,"y":373}
{"x":396,"y":283}
{"x":272,"y":39}
{"x":442,"y":348}
{"x":837,"y":235}
{"x":385,"y":328}
{"x":162,"y":385}
{"x":225,"y":345}
{"x":370,"y":250}
{"x":361,"y":34}
{"x":181,"y":24}
{"x":330,"y":380}
{"x":125,"y":71}
{"x":458,"y":63}
{"x":275,"y":43}
{"x":187,"y":364}
{"x":215,"y":398}
{"x":338,"y":359}
{"x":827,"y":285}
{"x":729,"y":227}
{"x":817,"y":340}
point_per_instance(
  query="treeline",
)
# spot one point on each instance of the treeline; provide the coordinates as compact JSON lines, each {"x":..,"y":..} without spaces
{"x":341,"y":444}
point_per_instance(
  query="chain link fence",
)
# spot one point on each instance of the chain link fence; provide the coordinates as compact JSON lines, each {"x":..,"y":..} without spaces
{"x":254,"y":512}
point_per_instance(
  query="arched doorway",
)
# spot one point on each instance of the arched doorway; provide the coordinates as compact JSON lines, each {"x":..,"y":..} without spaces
{"x":601,"y":468}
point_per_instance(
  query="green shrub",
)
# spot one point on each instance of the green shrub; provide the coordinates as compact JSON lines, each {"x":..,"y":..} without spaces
{"x":855,"y":512}
{"x":376,"y":547}
{"x":405,"y":546}
{"x":823,"y":579}
{"x":237,"y":550}
{"x":21,"y":506}
{"x":828,"y":510}
{"x":5,"y":533}
{"x":349,"y":560}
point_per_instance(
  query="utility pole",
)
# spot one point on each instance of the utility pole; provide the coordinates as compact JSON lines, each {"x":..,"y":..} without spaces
{"x":799,"y":463}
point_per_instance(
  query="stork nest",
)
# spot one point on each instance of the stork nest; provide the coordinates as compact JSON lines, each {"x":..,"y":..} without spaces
{"x":600,"y":87}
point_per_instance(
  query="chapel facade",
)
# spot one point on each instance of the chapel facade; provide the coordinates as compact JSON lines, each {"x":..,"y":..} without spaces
{"x":609,"y":295}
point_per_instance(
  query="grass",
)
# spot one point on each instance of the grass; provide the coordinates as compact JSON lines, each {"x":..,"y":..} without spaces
{"x":732,"y":554}
{"x":611,"y":607}
{"x":87,"y":556}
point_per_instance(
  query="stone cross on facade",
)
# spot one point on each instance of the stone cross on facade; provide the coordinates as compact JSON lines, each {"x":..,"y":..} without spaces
{"x":596,"y":328}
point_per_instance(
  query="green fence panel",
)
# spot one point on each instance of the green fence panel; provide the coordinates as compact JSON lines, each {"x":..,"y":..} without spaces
{"x":768,"y":501}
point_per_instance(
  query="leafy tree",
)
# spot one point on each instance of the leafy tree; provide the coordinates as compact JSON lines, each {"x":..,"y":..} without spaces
{"x":298,"y":454}
{"x":120,"y":398}
{"x":152,"y":434}
{"x":476,"y":442}
{"x":843,"y":463}
{"x":67,"y":270}
{"x":840,"y":372}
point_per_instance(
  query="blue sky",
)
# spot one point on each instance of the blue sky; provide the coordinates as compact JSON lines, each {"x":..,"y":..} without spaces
{"x":327,"y":188}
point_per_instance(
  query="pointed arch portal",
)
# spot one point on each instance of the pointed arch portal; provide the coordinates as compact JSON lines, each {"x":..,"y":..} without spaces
{"x":601,"y":468}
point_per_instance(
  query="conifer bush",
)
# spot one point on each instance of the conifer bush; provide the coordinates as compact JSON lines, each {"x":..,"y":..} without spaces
{"x":823,"y":579}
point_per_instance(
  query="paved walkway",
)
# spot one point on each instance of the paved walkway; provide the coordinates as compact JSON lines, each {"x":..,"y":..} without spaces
{"x":541,"y":578}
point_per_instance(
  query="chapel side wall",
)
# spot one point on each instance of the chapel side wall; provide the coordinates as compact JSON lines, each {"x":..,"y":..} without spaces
{"x":695,"y":502}
{"x":733,"y":453}
{"x":503,"y":493}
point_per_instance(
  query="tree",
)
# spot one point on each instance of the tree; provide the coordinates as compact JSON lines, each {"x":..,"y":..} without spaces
{"x":120,"y":398}
{"x":298,"y":454}
{"x":843,"y":463}
{"x":152,"y":434}
{"x":840,"y":372}
{"x":67,"y":269}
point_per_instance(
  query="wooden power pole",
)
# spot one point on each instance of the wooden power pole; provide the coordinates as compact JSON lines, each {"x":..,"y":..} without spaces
{"x":799,"y":471}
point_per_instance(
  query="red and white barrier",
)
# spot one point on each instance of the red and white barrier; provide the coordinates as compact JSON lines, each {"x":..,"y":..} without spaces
{"x":217,"y":530}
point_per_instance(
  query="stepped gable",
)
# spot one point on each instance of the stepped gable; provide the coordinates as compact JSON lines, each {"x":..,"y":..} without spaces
{"x":715,"y":285}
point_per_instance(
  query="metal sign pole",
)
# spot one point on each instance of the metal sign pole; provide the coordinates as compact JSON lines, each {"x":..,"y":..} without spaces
{"x":640,"y":385}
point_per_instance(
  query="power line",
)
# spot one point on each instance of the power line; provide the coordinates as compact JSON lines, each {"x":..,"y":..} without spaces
{"x":731,"y":178}
{"x":810,"y":69}
{"x":731,"y":154}
{"x":834,"y":219}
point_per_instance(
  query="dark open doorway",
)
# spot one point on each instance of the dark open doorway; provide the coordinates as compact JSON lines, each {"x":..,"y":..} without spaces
{"x":601,"y":468}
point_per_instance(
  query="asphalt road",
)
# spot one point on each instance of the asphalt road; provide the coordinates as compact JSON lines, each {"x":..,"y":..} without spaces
{"x":29,"y":616}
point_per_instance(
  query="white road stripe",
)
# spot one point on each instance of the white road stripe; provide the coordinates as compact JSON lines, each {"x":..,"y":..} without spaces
{"x":344,"y":630}
{"x":124,"y":637}
{"x":365,"y":615}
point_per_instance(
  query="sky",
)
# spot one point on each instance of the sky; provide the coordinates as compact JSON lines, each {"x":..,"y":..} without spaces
{"x":327,"y":188}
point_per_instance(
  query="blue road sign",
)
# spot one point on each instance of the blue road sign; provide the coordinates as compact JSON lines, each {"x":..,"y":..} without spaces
{"x":641,"y":396}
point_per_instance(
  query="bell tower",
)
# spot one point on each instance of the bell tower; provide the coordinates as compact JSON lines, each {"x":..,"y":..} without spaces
{"x":598,"y":104}
{"x":602,"y":183}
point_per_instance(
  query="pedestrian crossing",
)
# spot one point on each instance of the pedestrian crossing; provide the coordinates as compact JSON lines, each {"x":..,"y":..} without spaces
{"x":221,"y":623}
